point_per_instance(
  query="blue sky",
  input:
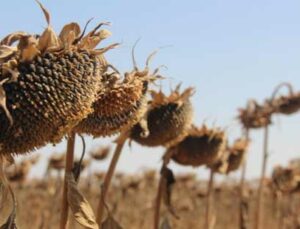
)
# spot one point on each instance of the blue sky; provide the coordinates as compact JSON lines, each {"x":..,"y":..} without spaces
{"x":229,"y":51}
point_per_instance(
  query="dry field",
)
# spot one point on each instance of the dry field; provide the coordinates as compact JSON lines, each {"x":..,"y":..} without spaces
{"x":132,"y":203}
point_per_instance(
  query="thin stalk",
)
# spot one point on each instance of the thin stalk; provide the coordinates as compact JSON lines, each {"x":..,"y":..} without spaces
{"x":209,"y":202}
{"x":259,"y":210}
{"x":242,"y":223}
{"x":105,"y":186}
{"x":158,"y":199}
{"x":161,"y":185}
{"x":276,"y":90}
{"x":68,"y":168}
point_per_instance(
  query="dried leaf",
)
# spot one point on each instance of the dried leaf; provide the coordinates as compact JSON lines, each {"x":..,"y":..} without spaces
{"x":13,"y":37}
{"x":80,"y":207}
{"x":48,"y":40}
{"x":169,"y":180}
{"x":69,"y":33}
{"x":46,"y":13}
{"x":110,"y":223}
{"x":165,"y":224}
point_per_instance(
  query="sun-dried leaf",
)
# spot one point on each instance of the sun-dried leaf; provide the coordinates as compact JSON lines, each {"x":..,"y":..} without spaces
{"x":110,"y":223}
{"x":169,"y":181}
{"x":69,"y":33}
{"x":48,"y":40}
{"x":13,"y":37}
{"x":165,"y":224}
{"x":80,"y":207}
{"x":46,"y":13}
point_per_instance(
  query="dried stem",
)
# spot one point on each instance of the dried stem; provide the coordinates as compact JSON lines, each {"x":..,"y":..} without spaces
{"x":158,"y":199}
{"x":259,"y":210}
{"x":104,"y":187}
{"x":161,"y":184}
{"x":209,"y":216}
{"x":68,"y":168}
{"x":242,"y":221}
{"x":276,"y":90}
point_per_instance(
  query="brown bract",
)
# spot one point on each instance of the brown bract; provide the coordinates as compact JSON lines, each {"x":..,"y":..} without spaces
{"x":48,"y":84}
{"x":202,"y":146}
{"x":167,"y":120}
{"x":255,"y":116}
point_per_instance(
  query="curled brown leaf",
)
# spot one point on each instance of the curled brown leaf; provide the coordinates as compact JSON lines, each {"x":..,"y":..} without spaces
{"x":81,"y":209}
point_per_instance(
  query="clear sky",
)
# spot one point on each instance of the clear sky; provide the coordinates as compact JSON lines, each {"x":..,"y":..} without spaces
{"x":229,"y":51}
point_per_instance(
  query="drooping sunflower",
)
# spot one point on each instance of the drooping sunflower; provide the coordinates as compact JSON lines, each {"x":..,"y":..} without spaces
{"x":202,"y":146}
{"x":48,"y":84}
{"x":167,"y":120}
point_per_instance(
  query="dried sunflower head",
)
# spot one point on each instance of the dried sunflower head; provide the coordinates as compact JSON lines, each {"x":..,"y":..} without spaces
{"x":100,"y":154}
{"x":202,"y":146}
{"x":255,"y":116}
{"x":121,"y":104}
{"x":285,"y":179}
{"x":167,"y":120}
{"x":47,"y":84}
{"x":237,"y":154}
{"x":57,"y":161}
{"x":286,"y":104}
{"x":18,"y":172}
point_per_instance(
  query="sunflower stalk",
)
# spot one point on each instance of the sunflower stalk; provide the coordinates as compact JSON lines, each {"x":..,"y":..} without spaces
{"x":68,"y":169}
{"x":108,"y":177}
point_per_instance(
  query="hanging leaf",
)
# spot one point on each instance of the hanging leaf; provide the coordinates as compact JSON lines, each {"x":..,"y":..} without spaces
{"x":169,"y":180}
{"x":165,"y":224}
{"x":80,"y":207}
{"x":110,"y":223}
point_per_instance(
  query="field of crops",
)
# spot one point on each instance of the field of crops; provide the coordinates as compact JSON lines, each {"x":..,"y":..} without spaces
{"x":56,"y":86}
{"x":132,"y":203}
